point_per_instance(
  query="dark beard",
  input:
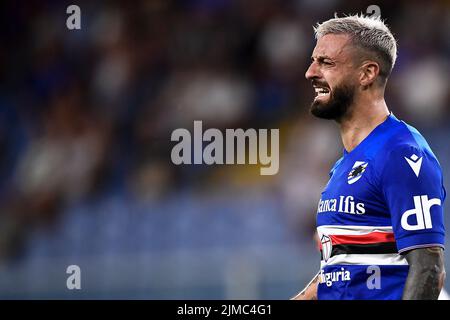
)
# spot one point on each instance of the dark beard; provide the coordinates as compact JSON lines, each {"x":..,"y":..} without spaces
{"x":337,"y":106}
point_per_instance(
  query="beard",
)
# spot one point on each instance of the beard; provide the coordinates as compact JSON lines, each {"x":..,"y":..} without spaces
{"x":337,"y":106}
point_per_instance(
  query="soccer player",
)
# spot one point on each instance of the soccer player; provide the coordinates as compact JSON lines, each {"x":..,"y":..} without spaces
{"x":380,"y":217}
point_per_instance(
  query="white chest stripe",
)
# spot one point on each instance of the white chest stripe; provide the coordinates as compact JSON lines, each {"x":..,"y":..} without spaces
{"x":366,"y":259}
{"x":351,"y":230}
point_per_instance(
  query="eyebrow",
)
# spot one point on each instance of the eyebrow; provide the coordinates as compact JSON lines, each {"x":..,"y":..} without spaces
{"x":322,"y":57}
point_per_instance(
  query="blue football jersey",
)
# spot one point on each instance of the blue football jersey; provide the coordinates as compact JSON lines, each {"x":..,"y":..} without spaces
{"x":383,"y":198}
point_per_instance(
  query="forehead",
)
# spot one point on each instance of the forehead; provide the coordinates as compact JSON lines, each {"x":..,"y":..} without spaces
{"x":333,"y":46}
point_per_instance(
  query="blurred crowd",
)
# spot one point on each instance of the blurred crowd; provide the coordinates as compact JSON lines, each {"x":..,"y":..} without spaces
{"x":86,"y":117}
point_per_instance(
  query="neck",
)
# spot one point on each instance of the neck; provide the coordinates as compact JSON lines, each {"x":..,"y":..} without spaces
{"x":363,"y":118}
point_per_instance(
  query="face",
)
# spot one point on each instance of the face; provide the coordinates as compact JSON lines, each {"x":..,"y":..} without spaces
{"x":333,"y":77}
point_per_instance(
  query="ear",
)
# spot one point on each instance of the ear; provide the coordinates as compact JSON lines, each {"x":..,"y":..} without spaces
{"x":369,"y":72}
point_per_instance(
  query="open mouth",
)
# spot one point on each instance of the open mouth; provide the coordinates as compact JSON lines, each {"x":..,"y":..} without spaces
{"x":321,"y":91}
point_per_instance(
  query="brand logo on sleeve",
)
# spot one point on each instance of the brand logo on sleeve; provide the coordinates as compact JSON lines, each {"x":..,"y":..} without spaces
{"x":421,"y":211}
{"x":357,"y":170}
{"x":415,"y":163}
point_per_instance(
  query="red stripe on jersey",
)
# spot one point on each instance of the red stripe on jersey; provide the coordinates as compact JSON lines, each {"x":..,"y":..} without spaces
{"x":373,"y":237}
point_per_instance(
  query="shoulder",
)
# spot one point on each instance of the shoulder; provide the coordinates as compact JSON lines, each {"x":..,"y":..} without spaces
{"x":406,"y":140}
{"x":405,"y":147}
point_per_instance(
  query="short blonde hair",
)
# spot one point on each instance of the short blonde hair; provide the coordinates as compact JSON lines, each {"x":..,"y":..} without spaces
{"x":368,"y":33}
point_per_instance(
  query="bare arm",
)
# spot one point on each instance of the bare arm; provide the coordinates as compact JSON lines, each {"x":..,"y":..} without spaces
{"x":426,"y":274}
{"x":310,"y":291}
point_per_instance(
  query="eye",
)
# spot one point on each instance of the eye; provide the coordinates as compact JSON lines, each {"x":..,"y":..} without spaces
{"x":326,"y":62}
{"x":322,"y":61}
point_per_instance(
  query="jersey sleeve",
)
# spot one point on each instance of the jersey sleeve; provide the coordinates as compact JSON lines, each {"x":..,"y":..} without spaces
{"x":412,"y":185}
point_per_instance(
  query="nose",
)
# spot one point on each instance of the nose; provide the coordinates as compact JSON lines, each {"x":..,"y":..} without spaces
{"x":312,"y":71}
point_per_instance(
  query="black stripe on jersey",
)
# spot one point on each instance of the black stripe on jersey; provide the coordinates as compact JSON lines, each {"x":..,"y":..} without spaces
{"x":372,"y":248}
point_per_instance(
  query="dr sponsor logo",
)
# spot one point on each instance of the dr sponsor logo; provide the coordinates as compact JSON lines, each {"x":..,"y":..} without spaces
{"x":421,"y":211}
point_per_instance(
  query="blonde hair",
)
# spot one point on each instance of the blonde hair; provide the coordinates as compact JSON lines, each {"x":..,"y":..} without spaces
{"x":369,"y":33}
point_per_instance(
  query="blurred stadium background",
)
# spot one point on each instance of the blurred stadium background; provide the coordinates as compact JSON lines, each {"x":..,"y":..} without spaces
{"x":85,"y":123}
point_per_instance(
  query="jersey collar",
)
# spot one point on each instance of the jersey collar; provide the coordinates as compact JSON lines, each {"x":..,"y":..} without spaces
{"x":376,"y":132}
